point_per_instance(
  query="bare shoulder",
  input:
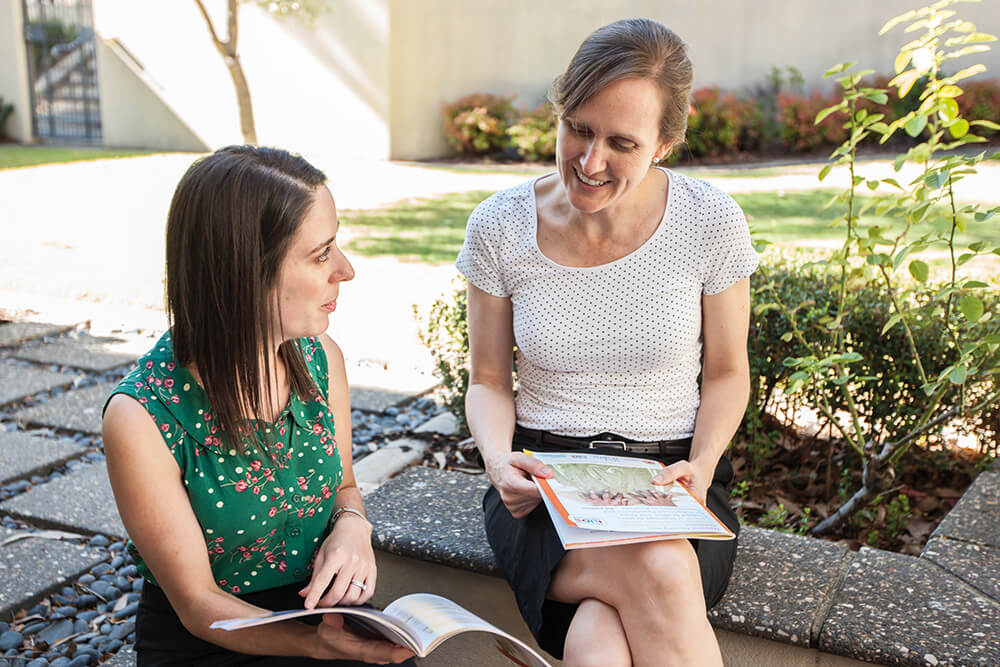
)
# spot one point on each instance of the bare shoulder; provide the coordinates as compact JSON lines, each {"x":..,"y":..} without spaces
{"x":130,"y":434}
{"x":124,"y":416}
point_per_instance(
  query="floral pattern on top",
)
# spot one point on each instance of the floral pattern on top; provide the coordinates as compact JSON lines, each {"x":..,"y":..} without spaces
{"x":263,"y":510}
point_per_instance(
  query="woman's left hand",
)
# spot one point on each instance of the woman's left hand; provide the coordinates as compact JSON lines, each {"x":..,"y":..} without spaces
{"x":696,"y":478}
{"x":346,"y":558}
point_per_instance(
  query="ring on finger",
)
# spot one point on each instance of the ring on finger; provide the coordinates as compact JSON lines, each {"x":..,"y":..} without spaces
{"x":359,"y":584}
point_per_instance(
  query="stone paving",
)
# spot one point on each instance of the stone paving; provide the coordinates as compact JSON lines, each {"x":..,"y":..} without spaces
{"x":72,"y":584}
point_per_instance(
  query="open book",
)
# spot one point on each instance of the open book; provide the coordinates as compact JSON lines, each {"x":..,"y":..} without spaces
{"x":597,"y":500}
{"x":419,"y":621}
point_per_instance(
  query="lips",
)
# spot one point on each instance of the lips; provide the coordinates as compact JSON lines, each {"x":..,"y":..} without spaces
{"x":589,"y":182}
{"x":330,"y":306}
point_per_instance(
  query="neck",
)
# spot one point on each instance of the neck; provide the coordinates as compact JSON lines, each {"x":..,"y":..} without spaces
{"x":623,"y":218}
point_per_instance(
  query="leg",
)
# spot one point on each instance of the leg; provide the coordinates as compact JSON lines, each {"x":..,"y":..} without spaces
{"x":596,"y":637}
{"x":656,"y":589}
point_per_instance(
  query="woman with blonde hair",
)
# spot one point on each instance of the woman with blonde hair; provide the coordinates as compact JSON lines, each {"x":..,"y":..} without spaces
{"x":620,"y":283}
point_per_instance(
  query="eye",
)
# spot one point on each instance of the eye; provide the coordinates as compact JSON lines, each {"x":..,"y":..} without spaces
{"x":579,"y":130}
{"x":325,"y":255}
{"x":623,"y":146}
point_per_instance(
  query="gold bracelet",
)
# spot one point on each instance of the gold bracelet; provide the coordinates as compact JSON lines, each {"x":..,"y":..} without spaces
{"x":341,"y":510}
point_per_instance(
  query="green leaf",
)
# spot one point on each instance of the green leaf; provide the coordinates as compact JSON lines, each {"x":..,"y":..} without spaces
{"x":893,"y":182}
{"x":900,"y":160}
{"x":902,"y":60}
{"x":949,"y":91}
{"x":837,"y":69}
{"x":971,"y":307}
{"x":905,"y":82}
{"x":872,"y":185}
{"x":975,"y":284}
{"x":790,"y":362}
{"x":893,"y":22}
{"x":949,"y":109}
{"x":958,"y":375}
{"x":825,"y":171}
{"x":978,"y":246}
{"x":964,"y":257}
{"x":959,"y":128}
{"x":989,"y":124}
{"x":937,"y":179}
{"x":916,"y":124}
{"x":851,"y":357}
{"x":920,"y":270}
{"x":826,"y":112}
{"x":878,"y":98}
{"x":787,"y":336}
{"x":895,"y":319}
{"x":992,"y":339}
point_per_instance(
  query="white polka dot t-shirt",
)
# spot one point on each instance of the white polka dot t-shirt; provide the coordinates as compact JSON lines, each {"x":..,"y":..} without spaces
{"x":612,"y":348}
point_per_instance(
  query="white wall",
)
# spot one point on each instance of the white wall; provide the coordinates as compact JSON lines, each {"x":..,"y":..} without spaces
{"x":443,"y":49}
{"x":133,"y":114}
{"x":14,"y":70}
{"x":315,"y":90}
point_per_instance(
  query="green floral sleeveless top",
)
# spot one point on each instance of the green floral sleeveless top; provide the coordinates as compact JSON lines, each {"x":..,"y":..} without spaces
{"x":262,"y":513}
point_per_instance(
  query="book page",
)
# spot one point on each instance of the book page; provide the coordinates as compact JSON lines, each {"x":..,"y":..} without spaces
{"x":432,"y":619}
{"x":602,"y":493}
{"x":372,"y":619}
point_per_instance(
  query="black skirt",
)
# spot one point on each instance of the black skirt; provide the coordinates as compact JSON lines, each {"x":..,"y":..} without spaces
{"x":528,"y":551}
{"x":161,"y":640}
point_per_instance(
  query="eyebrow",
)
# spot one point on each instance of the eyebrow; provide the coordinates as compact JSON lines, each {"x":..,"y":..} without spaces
{"x":578,"y":123}
{"x":322,"y":245}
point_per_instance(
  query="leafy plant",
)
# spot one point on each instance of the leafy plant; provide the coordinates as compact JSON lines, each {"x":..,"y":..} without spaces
{"x":445,"y":332}
{"x":535,"y":133}
{"x":798,"y":131}
{"x":956,"y":379}
{"x":716,"y":123}
{"x":6,"y":110}
{"x":477,"y":124}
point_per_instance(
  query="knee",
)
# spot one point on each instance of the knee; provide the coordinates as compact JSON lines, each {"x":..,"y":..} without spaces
{"x":669,"y":568}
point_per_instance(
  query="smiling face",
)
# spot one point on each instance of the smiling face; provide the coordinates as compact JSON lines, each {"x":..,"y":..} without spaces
{"x":311,"y":272}
{"x":606,"y":145}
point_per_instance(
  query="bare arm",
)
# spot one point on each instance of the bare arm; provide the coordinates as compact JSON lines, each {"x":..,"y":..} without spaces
{"x":725,"y":383}
{"x":489,"y":403}
{"x":154,"y":507}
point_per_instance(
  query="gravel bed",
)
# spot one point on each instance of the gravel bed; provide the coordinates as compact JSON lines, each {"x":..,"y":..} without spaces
{"x":84,"y":623}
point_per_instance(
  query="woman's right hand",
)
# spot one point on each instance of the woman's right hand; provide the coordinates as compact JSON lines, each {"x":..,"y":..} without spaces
{"x":337,"y":642}
{"x":510,"y":475}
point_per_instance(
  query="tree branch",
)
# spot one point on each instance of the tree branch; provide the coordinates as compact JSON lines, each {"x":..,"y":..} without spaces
{"x":219,"y":44}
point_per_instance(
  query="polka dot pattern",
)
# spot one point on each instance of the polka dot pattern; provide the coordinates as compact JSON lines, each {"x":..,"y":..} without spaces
{"x":615,"y":347}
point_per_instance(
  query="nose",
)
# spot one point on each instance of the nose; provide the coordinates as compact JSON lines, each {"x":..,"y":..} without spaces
{"x":343,"y":270}
{"x":593,"y":158}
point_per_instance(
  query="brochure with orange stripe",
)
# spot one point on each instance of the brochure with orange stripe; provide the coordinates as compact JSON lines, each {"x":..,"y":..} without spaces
{"x":598,"y":500}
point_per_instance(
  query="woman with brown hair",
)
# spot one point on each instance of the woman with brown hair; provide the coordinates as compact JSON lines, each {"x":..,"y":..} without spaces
{"x":620,"y":283}
{"x":229,"y":446}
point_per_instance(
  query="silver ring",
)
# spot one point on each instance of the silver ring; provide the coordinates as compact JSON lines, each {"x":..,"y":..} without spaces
{"x":355,"y":582}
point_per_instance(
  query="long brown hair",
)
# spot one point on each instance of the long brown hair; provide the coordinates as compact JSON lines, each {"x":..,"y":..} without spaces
{"x":231,"y":222}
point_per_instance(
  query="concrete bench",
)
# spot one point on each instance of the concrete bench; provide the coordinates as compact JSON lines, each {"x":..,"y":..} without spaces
{"x":792,"y":600}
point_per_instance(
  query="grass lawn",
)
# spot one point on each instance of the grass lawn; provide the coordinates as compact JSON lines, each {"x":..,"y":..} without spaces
{"x":427,"y":230}
{"x":432,"y":230}
{"x":29,"y":156}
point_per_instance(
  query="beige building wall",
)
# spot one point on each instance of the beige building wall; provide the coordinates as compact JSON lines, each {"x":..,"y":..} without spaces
{"x":14,"y":87}
{"x":319,"y":90}
{"x":443,"y":49}
{"x":132,"y":111}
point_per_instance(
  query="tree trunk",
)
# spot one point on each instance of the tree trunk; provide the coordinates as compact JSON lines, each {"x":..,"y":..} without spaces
{"x":247,"y":126}
{"x":227,"y":49}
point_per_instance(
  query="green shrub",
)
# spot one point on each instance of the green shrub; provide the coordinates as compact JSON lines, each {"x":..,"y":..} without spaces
{"x":716,"y":123}
{"x":477,"y":124}
{"x":5,"y":113}
{"x":799,"y":132}
{"x":535,"y":133}
{"x":445,"y":333}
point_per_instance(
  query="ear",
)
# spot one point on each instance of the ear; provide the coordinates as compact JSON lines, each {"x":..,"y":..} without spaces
{"x":662,"y":152}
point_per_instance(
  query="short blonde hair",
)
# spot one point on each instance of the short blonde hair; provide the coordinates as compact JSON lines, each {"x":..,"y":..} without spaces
{"x":630,"y":48}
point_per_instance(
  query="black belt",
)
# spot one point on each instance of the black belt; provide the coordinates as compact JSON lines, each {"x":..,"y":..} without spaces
{"x":606,"y":441}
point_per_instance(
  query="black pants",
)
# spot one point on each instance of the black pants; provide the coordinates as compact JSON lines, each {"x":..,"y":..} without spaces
{"x":163,"y":641}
